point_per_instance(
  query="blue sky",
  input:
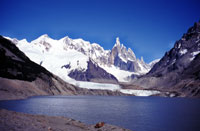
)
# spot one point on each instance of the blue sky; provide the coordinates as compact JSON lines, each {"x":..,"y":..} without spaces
{"x":148,"y":27}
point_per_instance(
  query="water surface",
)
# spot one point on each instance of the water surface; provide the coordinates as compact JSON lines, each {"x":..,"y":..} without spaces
{"x":136,"y":113}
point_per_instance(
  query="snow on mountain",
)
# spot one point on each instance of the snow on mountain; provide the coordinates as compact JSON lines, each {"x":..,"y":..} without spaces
{"x":126,"y":59}
{"x":179,"y":69}
{"x":121,"y":75}
{"x":50,"y":54}
{"x":151,"y":64}
{"x":122,"y":52}
{"x":66,"y":55}
{"x":94,"y":51}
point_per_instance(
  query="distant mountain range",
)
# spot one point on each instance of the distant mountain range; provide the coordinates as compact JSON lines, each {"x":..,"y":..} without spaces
{"x":84,"y":61}
{"x":75,"y":60}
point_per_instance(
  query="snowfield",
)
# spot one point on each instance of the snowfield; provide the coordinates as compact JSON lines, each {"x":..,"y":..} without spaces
{"x":114,"y":87}
{"x":121,"y":75}
{"x":93,"y":85}
{"x":139,"y":92}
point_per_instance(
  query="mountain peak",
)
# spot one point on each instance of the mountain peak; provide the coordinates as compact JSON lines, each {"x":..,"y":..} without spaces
{"x":24,"y":41}
{"x":66,"y":40}
{"x":142,"y":60}
{"x":66,"y":37}
{"x":117,"y":42}
{"x":44,"y":36}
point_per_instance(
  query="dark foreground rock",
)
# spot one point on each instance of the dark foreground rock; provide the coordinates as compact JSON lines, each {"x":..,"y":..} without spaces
{"x":14,"y":121}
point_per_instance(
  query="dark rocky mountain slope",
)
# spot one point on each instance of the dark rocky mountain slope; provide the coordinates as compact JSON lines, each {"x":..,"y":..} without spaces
{"x":179,"y":69}
{"x":15,"y":65}
{"x":93,"y":73}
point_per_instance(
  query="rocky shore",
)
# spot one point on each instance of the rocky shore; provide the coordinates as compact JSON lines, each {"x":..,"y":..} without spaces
{"x":15,"y":121}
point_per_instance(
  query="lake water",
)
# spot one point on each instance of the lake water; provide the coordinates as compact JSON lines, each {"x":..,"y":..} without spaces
{"x":135,"y":113}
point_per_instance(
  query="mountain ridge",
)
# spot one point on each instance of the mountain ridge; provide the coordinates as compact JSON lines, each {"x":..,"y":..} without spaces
{"x":179,"y":69}
{"x":119,"y":58}
{"x":21,"y":78}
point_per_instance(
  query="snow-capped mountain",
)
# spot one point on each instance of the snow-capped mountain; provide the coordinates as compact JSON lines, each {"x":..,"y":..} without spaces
{"x":82,"y":60}
{"x":126,"y":59}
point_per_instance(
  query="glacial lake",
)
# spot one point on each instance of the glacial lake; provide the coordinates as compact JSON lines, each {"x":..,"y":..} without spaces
{"x":135,"y":113}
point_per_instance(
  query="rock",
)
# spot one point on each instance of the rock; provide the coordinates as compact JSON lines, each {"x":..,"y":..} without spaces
{"x":94,"y":73}
{"x":49,"y":128}
{"x":179,"y":69}
{"x":27,"y":122}
{"x":99,"y":125}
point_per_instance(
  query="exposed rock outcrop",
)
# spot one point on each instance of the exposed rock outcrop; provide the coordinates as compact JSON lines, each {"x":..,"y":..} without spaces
{"x":179,"y":69}
{"x":126,"y":59}
{"x":93,"y":73}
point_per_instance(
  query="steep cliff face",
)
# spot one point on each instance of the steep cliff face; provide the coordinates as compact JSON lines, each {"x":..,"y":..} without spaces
{"x":179,"y":68}
{"x":93,"y":73}
{"x":126,"y":59}
{"x":181,"y":55}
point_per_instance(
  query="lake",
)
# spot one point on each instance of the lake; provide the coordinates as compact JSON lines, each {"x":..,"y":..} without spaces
{"x":135,"y":113}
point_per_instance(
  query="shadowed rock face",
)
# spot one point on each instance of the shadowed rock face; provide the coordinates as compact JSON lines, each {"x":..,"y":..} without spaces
{"x":179,"y":69}
{"x":181,"y":55}
{"x":93,"y":73}
{"x":15,"y":65}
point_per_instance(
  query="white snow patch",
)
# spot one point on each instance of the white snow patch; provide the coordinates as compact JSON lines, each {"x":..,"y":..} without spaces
{"x":143,"y":69}
{"x":121,"y":75}
{"x":8,"y":38}
{"x":139,"y":92}
{"x":151,"y":64}
{"x":174,"y":60}
{"x":194,"y":55}
{"x":179,"y":45}
{"x":197,"y":41}
{"x":120,"y":56}
{"x":182,"y":52}
{"x":93,"y":85}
